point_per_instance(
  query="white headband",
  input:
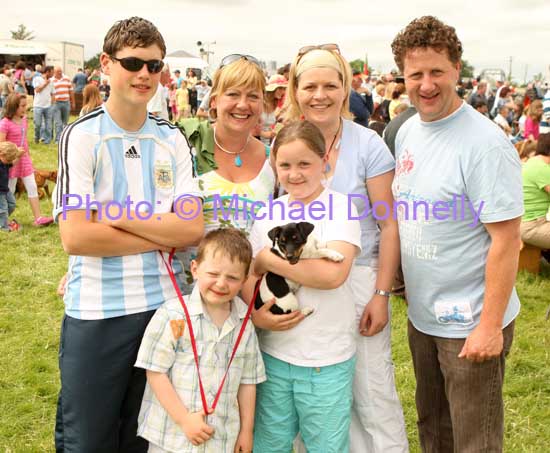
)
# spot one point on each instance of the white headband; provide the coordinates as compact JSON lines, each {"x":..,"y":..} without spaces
{"x":318,"y":58}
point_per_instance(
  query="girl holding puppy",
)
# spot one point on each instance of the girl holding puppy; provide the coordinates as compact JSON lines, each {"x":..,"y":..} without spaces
{"x":309,"y":362}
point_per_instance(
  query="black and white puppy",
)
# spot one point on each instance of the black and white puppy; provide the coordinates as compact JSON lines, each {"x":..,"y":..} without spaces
{"x":291,"y":242}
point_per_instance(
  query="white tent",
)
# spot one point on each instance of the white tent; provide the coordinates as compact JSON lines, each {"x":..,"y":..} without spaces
{"x":183,"y":60}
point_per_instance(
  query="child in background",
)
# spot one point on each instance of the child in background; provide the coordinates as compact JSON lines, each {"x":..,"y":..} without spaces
{"x":400,"y":109}
{"x":91,"y":99}
{"x":532,"y":121}
{"x":172,"y":100}
{"x":172,"y":417}
{"x":13,"y":128}
{"x":9,"y":153}
{"x":309,"y":362}
{"x":182,"y":101}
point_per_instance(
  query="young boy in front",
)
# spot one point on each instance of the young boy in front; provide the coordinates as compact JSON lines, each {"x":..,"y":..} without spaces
{"x":172,"y":418}
{"x":117,"y":155}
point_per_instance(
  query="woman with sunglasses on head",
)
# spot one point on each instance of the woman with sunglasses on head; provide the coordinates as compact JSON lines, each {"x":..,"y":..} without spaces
{"x":233,"y":167}
{"x":359,"y":163}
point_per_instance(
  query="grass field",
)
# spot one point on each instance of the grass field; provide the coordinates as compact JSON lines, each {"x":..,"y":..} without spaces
{"x":32,"y":261}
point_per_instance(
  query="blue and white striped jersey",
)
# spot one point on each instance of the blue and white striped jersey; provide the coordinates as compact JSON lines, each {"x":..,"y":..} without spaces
{"x":100,"y":162}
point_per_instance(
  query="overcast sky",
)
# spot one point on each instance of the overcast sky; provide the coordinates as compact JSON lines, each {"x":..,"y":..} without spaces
{"x":491,"y":31}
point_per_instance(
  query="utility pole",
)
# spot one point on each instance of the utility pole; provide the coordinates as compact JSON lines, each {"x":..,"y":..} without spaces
{"x":206,"y":52}
{"x":510,"y":70}
{"x":525,"y":75}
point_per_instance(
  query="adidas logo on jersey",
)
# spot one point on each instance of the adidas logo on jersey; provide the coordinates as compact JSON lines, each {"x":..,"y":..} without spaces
{"x":132,"y":153}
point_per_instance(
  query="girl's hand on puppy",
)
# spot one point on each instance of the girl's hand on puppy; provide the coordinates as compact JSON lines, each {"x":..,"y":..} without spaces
{"x":264,"y":319}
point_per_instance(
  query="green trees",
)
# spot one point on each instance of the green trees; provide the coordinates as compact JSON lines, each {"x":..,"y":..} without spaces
{"x":22,"y":33}
{"x":466,"y":69}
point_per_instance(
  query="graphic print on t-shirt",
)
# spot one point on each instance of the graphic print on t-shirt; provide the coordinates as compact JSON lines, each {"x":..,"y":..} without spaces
{"x":411,"y":212}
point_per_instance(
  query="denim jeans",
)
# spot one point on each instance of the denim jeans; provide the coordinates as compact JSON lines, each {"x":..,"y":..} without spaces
{"x":61,"y":112}
{"x":459,"y":403}
{"x":43,"y":124}
{"x":7,"y":206}
{"x":3,"y":99}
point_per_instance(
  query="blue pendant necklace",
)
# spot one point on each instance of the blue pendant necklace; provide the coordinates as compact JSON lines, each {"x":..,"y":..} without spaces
{"x":238,"y":161}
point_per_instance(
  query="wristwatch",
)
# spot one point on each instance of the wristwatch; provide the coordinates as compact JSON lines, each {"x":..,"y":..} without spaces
{"x":381,"y":292}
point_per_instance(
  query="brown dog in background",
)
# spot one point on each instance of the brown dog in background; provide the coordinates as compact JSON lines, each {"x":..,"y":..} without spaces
{"x":42,"y":177}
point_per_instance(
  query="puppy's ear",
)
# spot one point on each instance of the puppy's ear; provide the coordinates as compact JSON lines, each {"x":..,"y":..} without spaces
{"x":305,"y":228}
{"x":274,"y":233}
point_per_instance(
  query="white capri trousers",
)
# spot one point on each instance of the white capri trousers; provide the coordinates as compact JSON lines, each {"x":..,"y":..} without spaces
{"x":30,"y":185}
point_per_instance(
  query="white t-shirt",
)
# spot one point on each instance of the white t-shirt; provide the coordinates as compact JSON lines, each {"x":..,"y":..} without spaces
{"x":327,"y":336}
{"x":501,"y":121}
{"x":44,"y":98}
{"x":157,"y":104}
{"x":462,"y":172}
{"x":521,"y":123}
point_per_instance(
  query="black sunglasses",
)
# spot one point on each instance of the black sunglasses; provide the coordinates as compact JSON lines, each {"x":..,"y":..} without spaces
{"x":134,"y":64}
{"x":237,"y":56}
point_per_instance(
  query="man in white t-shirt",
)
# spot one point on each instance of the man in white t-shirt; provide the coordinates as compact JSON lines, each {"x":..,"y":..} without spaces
{"x":42,"y":105}
{"x":6,"y":86}
{"x":158,"y":105}
{"x":500,"y":119}
{"x":459,"y":250}
{"x":202,"y":89}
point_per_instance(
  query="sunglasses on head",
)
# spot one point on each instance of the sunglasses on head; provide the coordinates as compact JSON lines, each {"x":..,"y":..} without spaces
{"x":237,"y":56}
{"x":306,"y":49}
{"x":134,"y":64}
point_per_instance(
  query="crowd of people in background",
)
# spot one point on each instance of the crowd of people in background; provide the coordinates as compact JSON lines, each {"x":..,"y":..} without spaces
{"x":375,"y":100}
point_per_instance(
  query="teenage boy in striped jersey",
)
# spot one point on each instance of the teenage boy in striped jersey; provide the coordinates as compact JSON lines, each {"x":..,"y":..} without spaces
{"x":116,"y":279}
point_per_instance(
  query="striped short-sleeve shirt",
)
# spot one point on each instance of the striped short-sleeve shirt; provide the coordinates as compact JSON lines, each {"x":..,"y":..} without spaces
{"x":104,"y":168}
{"x":62,"y":88}
{"x":166,"y":348}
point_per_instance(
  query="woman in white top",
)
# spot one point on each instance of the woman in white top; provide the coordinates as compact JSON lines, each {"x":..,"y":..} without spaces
{"x":361,"y":166}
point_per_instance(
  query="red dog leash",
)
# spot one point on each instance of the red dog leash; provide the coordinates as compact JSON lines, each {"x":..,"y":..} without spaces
{"x":192,"y":334}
